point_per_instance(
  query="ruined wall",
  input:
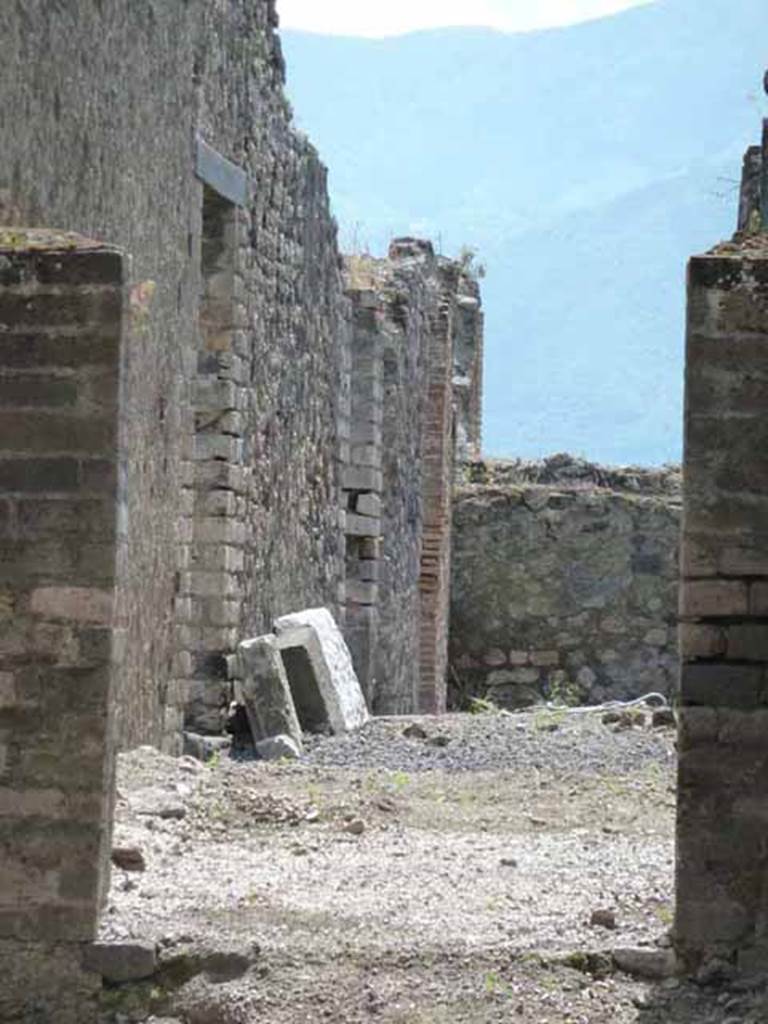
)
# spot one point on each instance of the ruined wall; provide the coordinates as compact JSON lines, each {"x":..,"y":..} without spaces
{"x":564,"y":582}
{"x":722,"y":875}
{"x":77,"y":154}
{"x":62,"y":346}
{"x":392,"y":302}
{"x":417,"y":342}
{"x":115,"y":159}
{"x":468,"y":353}
{"x":272,"y":430}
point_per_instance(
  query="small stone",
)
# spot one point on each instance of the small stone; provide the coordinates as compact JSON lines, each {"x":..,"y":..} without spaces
{"x":508,"y":862}
{"x":414,"y":732}
{"x":121,"y":961}
{"x":129,"y":858}
{"x":202,"y":748}
{"x":440,"y":740}
{"x":656,"y":637}
{"x":157,"y":803}
{"x":655,"y":964}
{"x":586,"y":677}
{"x":277,"y":747}
{"x":494,"y":658}
{"x":663,"y":718}
{"x":356,"y":827}
{"x":603,"y":918}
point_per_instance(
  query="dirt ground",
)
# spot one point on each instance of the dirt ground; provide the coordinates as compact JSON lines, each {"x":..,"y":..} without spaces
{"x":424,"y":871}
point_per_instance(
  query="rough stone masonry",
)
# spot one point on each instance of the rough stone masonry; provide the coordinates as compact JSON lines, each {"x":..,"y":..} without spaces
{"x":199,"y":429}
{"x":564,"y":582}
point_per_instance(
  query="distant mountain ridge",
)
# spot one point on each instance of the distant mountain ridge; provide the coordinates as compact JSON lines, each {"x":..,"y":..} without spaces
{"x":585,"y":164}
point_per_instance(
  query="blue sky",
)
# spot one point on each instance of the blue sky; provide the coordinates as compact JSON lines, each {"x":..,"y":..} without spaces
{"x":366,"y":18}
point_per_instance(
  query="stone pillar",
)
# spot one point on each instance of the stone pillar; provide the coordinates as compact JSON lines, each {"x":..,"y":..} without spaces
{"x":467,"y":375}
{"x":722,"y":844}
{"x":362,"y":487}
{"x":751,"y":189}
{"x":61,"y":530}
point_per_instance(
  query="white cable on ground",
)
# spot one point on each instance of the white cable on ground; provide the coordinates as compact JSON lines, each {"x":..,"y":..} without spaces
{"x":658,"y":699}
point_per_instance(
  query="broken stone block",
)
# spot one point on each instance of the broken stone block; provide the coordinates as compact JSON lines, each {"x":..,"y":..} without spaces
{"x":203,"y":748}
{"x":121,"y":961}
{"x":276,"y":747}
{"x":323,"y":683}
{"x":654,"y":964}
{"x":264,"y":689}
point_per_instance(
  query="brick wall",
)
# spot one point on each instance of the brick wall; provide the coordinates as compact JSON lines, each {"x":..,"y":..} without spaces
{"x":722,"y":871}
{"x":63,"y":526}
{"x":437,"y":489}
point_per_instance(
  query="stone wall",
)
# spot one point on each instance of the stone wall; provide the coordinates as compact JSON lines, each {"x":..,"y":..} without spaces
{"x":113,"y":163}
{"x":62,"y":523}
{"x":564,"y":582}
{"x":416,"y":352}
{"x":234,"y":435}
{"x":251,"y":465}
{"x":392,"y":300}
{"x":722,"y":872}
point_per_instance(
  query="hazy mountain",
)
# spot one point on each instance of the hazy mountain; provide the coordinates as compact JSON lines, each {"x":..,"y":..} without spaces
{"x":585,"y":164}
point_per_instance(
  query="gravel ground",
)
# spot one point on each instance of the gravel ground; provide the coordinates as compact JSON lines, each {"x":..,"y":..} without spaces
{"x":456,"y":869}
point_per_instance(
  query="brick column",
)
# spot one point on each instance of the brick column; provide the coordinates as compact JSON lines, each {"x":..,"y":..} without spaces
{"x":61,"y":322}
{"x":722,"y":866}
{"x":437,"y":492}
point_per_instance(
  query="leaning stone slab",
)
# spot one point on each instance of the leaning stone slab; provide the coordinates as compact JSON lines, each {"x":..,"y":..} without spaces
{"x":325,"y":688}
{"x":121,"y":961}
{"x":263,"y":688}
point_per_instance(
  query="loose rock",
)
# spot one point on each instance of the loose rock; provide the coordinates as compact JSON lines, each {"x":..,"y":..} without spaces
{"x":121,"y":961}
{"x":603,"y":918}
{"x":129,"y":858}
{"x":277,"y":747}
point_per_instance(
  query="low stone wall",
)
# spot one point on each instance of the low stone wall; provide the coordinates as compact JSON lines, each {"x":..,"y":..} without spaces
{"x":564,"y":582}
